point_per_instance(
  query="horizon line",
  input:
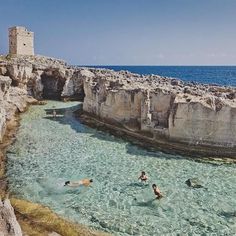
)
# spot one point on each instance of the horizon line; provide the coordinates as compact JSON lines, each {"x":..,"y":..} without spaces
{"x":156,"y":65}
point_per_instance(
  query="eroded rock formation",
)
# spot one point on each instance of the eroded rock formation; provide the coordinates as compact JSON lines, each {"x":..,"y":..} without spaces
{"x":159,"y":110}
{"x":168,"y":109}
{"x":8,"y":223}
{"x":160,"y":107}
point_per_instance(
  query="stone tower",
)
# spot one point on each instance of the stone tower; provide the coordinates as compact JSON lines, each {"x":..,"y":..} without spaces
{"x":21,"y":41}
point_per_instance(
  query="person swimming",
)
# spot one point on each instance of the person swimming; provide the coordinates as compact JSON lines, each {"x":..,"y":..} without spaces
{"x":157,"y":191}
{"x":143,"y":176}
{"x":84,"y":182}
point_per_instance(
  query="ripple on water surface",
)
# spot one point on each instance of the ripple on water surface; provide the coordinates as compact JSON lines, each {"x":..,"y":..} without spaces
{"x":50,"y":151}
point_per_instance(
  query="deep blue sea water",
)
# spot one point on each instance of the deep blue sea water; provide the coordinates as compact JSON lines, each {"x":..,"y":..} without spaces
{"x":222,"y":75}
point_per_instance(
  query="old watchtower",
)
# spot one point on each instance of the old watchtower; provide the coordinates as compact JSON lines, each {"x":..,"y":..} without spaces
{"x":21,"y":41}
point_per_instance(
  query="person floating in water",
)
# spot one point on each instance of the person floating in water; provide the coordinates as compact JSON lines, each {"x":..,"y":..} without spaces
{"x":84,"y":182}
{"x":157,"y":191}
{"x":143,"y":176}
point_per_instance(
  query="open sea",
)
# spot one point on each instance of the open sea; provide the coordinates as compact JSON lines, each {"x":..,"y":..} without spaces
{"x":222,"y":75}
{"x":49,"y":151}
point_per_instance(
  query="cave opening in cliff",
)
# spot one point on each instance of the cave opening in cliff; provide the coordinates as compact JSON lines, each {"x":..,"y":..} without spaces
{"x":52,"y":86}
{"x":81,"y":95}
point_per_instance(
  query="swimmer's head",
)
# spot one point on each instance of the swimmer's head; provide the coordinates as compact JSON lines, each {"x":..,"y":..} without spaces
{"x":91,"y":180}
{"x":143,"y":173}
{"x":154,"y":186}
{"x":66,"y":183}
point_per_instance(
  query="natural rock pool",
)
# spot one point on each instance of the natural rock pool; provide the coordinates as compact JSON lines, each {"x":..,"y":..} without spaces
{"x":48,"y":151}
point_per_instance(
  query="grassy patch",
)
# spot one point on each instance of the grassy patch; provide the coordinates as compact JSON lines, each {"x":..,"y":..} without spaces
{"x":41,"y":220}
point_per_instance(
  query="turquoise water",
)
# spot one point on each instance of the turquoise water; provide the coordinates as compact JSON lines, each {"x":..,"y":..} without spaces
{"x":50,"y":151}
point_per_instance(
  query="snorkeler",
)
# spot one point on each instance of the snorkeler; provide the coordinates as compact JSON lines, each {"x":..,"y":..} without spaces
{"x":143,"y":176}
{"x":157,"y":191}
{"x":84,"y":182}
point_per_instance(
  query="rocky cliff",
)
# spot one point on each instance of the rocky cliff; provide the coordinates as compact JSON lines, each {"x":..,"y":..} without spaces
{"x":23,"y":81}
{"x":164,"y":108}
{"x":162,"y":111}
{"x":8,"y":223}
{"x":13,"y":99}
{"x":158,"y":107}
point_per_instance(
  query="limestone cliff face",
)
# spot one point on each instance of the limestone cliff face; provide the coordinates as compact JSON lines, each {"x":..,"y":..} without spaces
{"x":43,"y":77}
{"x":4,"y":94}
{"x":24,"y":78}
{"x":8,"y":223}
{"x":20,"y":74}
{"x":158,"y":106}
{"x":165,"y":108}
{"x":2,"y":123}
{"x":12,"y":100}
{"x":197,"y":123}
{"x":103,"y":102}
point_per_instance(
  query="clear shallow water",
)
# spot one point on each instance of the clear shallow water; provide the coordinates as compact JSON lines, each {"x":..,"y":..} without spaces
{"x":50,"y":151}
{"x":222,"y":75}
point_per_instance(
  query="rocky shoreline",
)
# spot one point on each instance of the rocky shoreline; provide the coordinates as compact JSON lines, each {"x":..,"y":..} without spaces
{"x":205,"y":154}
{"x":20,"y":217}
{"x":165,"y":109}
{"x":196,"y":116}
{"x":12,"y":101}
{"x":15,"y":75}
{"x":160,"y":112}
{"x":38,"y":220}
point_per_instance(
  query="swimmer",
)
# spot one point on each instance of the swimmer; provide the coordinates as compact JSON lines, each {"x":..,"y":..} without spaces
{"x":84,"y":182}
{"x":157,"y":191}
{"x":143,"y":176}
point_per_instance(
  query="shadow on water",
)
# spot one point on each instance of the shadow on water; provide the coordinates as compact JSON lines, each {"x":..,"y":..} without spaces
{"x":140,"y":185}
{"x":73,"y":191}
{"x":62,"y":111}
{"x":201,"y":225}
{"x":133,"y":187}
{"x":65,"y":116}
{"x":228,"y":215}
{"x":134,"y":149}
{"x":149,"y":203}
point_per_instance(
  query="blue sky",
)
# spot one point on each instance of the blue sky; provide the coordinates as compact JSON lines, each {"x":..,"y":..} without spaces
{"x":127,"y":32}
